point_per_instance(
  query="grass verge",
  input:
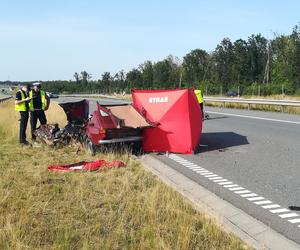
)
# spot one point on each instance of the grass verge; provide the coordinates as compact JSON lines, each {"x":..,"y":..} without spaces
{"x":108,"y":209}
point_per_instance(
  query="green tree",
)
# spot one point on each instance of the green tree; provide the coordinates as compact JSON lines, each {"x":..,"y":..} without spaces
{"x":147,"y":74}
{"x":134,"y":79}
{"x":224,"y":62}
{"x":258,"y":54}
{"x":195,"y":66}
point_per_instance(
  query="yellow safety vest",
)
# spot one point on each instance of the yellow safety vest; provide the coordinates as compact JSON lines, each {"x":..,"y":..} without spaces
{"x":43,"y":98}
{"x":21,"y":106}
{"x":199,"y":96}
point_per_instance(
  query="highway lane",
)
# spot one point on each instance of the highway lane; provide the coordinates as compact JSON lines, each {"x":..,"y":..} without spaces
{"x":255,"y":151}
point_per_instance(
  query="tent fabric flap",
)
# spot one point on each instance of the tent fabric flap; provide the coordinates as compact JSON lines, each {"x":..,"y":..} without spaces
{"x":178,"y":115}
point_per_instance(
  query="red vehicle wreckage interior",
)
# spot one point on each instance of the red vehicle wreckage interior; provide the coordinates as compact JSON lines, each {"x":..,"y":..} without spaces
{"x":157,"y":121}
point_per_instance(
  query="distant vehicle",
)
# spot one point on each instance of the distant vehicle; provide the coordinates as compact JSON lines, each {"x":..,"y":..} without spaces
{"x":52,"y":95}
{"x":232,"y":93}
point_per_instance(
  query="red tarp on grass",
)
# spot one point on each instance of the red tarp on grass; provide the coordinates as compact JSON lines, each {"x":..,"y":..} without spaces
{"x":178,"y":115}
{"x":85,"y":166}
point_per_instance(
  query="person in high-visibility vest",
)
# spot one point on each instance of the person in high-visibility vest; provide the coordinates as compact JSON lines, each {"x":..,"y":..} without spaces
{"x":21,"y":105}
{"x":199,"y":96}
{"x":38,"y":104}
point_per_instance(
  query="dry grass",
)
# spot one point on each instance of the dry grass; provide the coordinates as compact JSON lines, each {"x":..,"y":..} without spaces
{"x":109,"y":209}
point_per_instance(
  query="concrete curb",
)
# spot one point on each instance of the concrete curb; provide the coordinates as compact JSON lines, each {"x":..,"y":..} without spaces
{"x":230,"y":218}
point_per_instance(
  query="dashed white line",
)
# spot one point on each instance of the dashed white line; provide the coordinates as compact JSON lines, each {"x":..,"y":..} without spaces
{"x":232,"y":185}
{"x":271,"y":206}
{"x":294,"y":221}
{"x":201,"y":171}
{"x":290,"y":215}
{"x":215,"y":178}
{"x":222,"y":180}
{"x":211,"y":175}
{"x":255,"y":198}
{"x":225,"y":183}
{"x":283,"y":213}
{"x":263,"y":202}
{"x":277,"y":211}
{"x":236,"y":188}
{"x":248,"y":195}
{"x":208,"y":173}
{"x":196,"y":168}
{"x":243,"y":192}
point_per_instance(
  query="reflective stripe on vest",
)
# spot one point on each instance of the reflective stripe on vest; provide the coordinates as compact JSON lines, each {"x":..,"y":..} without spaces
{"x":199,"y":96}
{"x":21,"y":106}
{"x":43,"y":99}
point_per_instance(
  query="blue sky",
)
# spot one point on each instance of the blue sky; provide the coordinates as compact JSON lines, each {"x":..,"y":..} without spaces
{"x":48,"y":40}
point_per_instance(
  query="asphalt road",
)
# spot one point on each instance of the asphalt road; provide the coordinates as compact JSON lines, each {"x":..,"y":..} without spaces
{"x":258,"y":155}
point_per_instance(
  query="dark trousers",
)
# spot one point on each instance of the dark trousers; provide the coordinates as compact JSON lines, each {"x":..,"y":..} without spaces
{"x":24,"y":115}
{"x":34,"y":116}
{"x":201,"y":107}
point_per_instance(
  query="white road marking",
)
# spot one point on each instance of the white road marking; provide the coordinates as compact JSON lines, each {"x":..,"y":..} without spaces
{"x":294,"y":220}
{"x":248,"y":195}
{"x":224,"y":183}
{"x":253,"y":117}
{"x":190,"y":166}
{"x":194,"y":168}
{"x":236,"y":188}
{"x":288,"y":215}
{"x":208,"y":173}
{"x":211,"y":175}
{"x":280,"y":210}
{"x":255,"y":198}
{"x":263,"y":202}
{"x":231,"y":185}
{"x":271,"y":206}
{"x":215,"y":178}
{"x":220,"y":180}
{"x":243,"y":192}
{"x":201,"y":171}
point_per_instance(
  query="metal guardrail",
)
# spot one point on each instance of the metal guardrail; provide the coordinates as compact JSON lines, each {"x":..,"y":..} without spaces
{"x":3,"y":99}
{"x":89,"y":95}
{"x":224,"y":100}
{"x":281,"y":103}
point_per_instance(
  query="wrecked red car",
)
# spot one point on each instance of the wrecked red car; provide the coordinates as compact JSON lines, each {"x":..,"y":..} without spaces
{"x":109,"y":124}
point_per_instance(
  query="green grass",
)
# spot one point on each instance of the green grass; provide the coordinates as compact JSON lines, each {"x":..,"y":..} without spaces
{"x":126,"y":208}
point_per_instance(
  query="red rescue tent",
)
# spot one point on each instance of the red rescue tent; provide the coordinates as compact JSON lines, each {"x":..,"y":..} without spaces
{"x":177,"y":115}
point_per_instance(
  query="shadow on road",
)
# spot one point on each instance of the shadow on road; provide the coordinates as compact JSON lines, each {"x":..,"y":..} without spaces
{"x":220,"y":141}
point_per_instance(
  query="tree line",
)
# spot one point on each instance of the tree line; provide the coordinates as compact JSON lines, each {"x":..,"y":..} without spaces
{"x":256,"y":66}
